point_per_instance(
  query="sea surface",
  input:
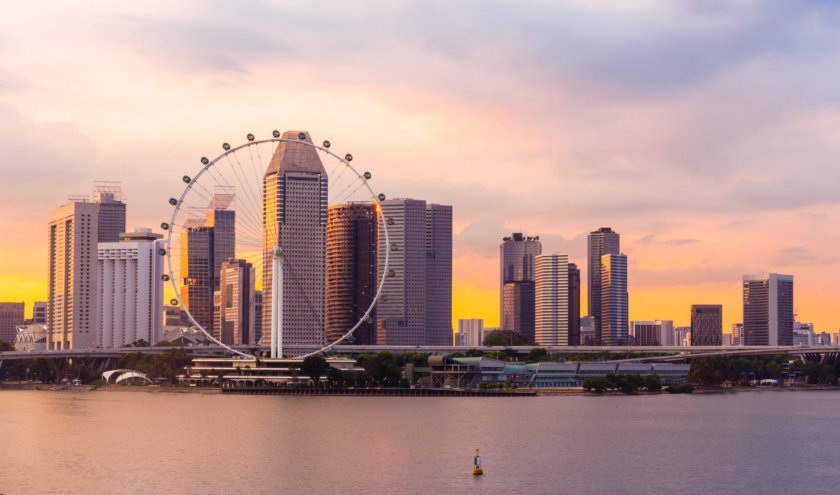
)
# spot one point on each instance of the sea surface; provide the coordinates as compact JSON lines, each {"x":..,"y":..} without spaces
{"x":135,"y":442}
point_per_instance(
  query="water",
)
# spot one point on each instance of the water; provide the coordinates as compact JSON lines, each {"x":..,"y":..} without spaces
{"x":135,"y":442}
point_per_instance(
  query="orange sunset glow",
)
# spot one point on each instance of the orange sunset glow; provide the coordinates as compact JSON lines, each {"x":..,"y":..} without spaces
{"x":710,"y":167}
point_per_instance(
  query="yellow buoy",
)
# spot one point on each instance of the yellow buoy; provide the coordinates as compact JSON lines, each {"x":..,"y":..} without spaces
{"x":477,"y":464}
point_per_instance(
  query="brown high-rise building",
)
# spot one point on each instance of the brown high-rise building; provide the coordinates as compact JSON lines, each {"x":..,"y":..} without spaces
{"x":352,"y":231}
{"x":295,"y":219}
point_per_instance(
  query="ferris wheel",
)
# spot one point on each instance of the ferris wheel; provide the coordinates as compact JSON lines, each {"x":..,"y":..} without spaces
{"x":252,"y":224}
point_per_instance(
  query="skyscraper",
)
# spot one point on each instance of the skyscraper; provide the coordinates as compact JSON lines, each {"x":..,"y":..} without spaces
{"x":706,"y":324}
{"x":197,"y":274}
{"x":295,"y":219}
{"x":517,"y":255}
{"x":130,"y":302}
{"x":438,"y":274}
{"x":237,"y":306}
{"x":411,"y":310}
{"x":551,"y":293}
{"x":352,"y":237}
{"x":111,"y":216}
{"x":768,"y":309}
{"x":614,"y":300}
{"x":401,"y":310}
{"x":11,"y":316}
{"x":602,"y":241}
{"x":206,"y":243}
{"x":574,"y":304}
{"x":71,"y":302}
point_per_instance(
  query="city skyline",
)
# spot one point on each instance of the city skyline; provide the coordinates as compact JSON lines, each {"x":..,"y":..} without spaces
{"x":695,"y":180}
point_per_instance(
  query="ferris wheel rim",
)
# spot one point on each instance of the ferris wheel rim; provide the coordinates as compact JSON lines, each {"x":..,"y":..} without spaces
{"x":254,"y":142}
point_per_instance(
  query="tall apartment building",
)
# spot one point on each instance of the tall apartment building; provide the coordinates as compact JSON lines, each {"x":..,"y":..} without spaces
{"x":71,"y":302}
{"x":130,"y":290}
{"x":206,"y":243}
{"x":236,"y":306}
{"x":706,"y":324}
{"x":295,"y":217}
{"x":600,"y":242}
{"x":11,"y":316}
{"x":552,"y":296}
{"x":39,"y":313}
{"x":768,"y":309}
{"x":470,"y":332}
{"x":652,"y":333}
{"x":408,"y":312}
{"x":614,"y":300}
{"x":517,"y":277}
{"x":352,"y":237}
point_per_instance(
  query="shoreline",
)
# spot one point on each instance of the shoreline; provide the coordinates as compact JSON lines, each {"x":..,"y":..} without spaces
{"x":46,"y":387}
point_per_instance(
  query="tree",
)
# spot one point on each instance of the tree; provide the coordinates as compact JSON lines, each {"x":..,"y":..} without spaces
{"x":5,"y":346}
{"x":712,"y":370}
{"x":595,"y":384}
{"x":314,"y":366}
{"x":503,"y":338}
{"x":538,"y":354}
{"x":653,"y":383}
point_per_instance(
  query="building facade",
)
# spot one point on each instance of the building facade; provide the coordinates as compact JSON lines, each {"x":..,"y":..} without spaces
{"x":39,"y":313}
{"x":600,"y":242}
{"x":768,"y":309}
{"x":415,"y":307}
{"x":517,"y":276}
{"x":295,"y":199}
{"x":706,"y":324}
{"x":71,"y":302}
{"x":130,"y":290}
{"x":470,"y":332}
{"x":438,"y":274}
{"x":652,"y":333}
{"x":552,"y":294}
{"x":11,"y":316}
{"x":352,"y":237}
{"x":237,"y":305}
{"x":737,"y":332}
{"x":614,"y":300}
{"x":111,"y":217}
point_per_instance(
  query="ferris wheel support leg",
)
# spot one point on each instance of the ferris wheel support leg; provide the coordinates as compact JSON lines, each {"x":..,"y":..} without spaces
{"x":277,"y":303}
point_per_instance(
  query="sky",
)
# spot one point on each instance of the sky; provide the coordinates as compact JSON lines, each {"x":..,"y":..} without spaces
{"x":706,"y":133}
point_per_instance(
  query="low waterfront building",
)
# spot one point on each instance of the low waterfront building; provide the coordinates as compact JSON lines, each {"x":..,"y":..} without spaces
{"x":470,"y":372}
{"x":31,"y":338}
{"x":253,"y":373}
